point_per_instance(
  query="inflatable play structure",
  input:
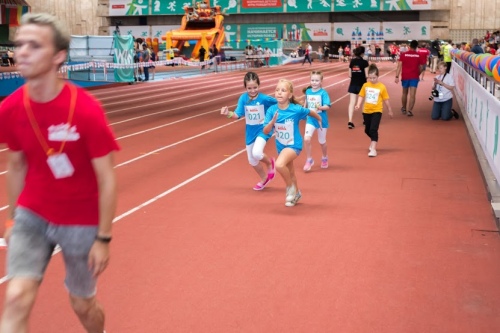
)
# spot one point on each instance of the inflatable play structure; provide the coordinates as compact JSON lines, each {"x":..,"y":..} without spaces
{"x":202,"y":25}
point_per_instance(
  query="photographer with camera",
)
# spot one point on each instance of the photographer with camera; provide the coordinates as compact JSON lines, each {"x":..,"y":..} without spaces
{"x":442,"y":95}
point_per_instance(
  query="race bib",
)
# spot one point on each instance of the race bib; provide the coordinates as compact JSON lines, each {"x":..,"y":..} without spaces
{"x":372,"y":95}
{"x":60,"y":165}
{"x":284,"y":133}
{"x":254,"y":114}
{"x":313,"y":102}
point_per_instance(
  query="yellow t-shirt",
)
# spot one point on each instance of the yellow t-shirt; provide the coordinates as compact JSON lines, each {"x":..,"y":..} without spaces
{"x":374,"y":95}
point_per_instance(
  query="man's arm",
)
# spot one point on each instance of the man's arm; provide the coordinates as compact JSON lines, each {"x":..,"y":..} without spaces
{"x":16,"y":174}
{"x":106,"y":180}
{"x":398,"y":71}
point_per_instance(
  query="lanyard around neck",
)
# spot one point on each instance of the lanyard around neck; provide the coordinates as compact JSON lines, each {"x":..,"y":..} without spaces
{"x":27,"y":105}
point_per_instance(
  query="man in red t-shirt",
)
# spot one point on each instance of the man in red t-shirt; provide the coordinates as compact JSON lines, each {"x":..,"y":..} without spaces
{"x":410,"y":66}
{"x":424,"y":51}
{"x":61,"y":180}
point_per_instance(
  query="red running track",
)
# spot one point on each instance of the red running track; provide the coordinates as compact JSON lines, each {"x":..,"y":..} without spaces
{"x":397,"y":243}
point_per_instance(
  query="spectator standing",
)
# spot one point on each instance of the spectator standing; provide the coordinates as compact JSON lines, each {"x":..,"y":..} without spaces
{"x":448,"y":46}
{"x":475,"y":47}
{"x":202,"y":54}
{"x":307,"y":55}
{"x":145,"y":58}
{"x":267,"y":55}
{"x":326,"y":51}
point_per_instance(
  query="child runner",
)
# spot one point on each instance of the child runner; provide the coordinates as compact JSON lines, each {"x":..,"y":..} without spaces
{"x":253,"y":106}
{"x":284,"y":118}
{"x":317,"y":99}
{"x":373,"y":93}
{"x":358,"y":71}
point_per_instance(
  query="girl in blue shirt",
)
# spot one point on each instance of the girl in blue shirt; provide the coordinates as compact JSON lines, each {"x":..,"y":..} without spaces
{"x":317,"y":99}
{"x":253,"y":106}
{"x":284,"y":118}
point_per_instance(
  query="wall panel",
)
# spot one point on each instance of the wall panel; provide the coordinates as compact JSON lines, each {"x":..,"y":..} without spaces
{"x":86,"y":17}
{"x":80,"y":16}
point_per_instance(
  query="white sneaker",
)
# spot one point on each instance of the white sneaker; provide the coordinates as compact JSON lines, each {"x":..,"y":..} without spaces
{"x":372,"y":153}
{"x":293,"y":202}
{"x":290,"y":193}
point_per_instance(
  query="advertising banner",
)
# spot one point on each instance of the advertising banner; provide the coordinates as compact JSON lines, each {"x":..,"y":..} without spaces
{"x":406,"y":4}
{"x":167,"y":7}
{"x":262,"y":6}
{"x":308,"y":32}
{"x":128,"y":7}
{"x":356,"y":5}
{"x":302,"y":6}
{"x":123,"y":47}
{"x":483,"y":111}
{"x":261,"y":31}
{"x":407,"y":30}
{"x":355,"y":32}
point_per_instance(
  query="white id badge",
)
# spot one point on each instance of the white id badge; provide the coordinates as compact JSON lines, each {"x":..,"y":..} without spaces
{"x":440,"y":95}
{"x":60,"y":165}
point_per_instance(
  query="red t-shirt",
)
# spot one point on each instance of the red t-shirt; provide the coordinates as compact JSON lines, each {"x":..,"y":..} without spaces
{"x":67,"y":201}
{"x":411,"y":61}
{"x":424,"y":52}
{"x":347,"y":51}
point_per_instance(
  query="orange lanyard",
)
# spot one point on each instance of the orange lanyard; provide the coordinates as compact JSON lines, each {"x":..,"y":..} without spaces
{"x":27,"y":105}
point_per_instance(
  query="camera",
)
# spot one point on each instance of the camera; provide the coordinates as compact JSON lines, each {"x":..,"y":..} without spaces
{"x":434,"y":93}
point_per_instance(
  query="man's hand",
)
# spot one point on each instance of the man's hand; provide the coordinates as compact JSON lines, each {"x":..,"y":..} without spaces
{"x":98,"y":258}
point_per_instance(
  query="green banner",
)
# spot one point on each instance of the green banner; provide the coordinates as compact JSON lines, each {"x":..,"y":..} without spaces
{"x":124,"y":55}
{"x":309,"y":6}
{"x":356,"y":5}
{"x":167,"y":7}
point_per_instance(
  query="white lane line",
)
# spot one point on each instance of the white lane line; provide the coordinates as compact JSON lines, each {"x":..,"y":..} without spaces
{"x":4,"y":208}
{"x":155,"y":198}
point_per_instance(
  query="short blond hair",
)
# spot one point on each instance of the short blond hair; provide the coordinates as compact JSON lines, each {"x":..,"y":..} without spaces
{"x":62,"y":37}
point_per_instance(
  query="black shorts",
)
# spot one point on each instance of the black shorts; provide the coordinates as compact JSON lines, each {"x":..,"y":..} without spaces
{"x":354,"y":89}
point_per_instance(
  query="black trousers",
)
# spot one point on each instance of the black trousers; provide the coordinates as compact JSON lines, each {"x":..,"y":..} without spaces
{"x":372,"y":122}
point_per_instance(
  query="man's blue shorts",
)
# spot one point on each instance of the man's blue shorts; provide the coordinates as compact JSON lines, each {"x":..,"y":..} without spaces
{"x":410,"y":83}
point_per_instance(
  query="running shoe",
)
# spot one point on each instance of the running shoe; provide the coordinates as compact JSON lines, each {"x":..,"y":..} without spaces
{"x":410,"y":114}
{"x":372,"y":153}
{"x":308,"y":165}
{"x":350,"y":125}
{"x":403,"y":110}
{"x":294,"y":201}
{"x":324,"y":162}
{"x":261,"y":185}
{"x":290,"y":193}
